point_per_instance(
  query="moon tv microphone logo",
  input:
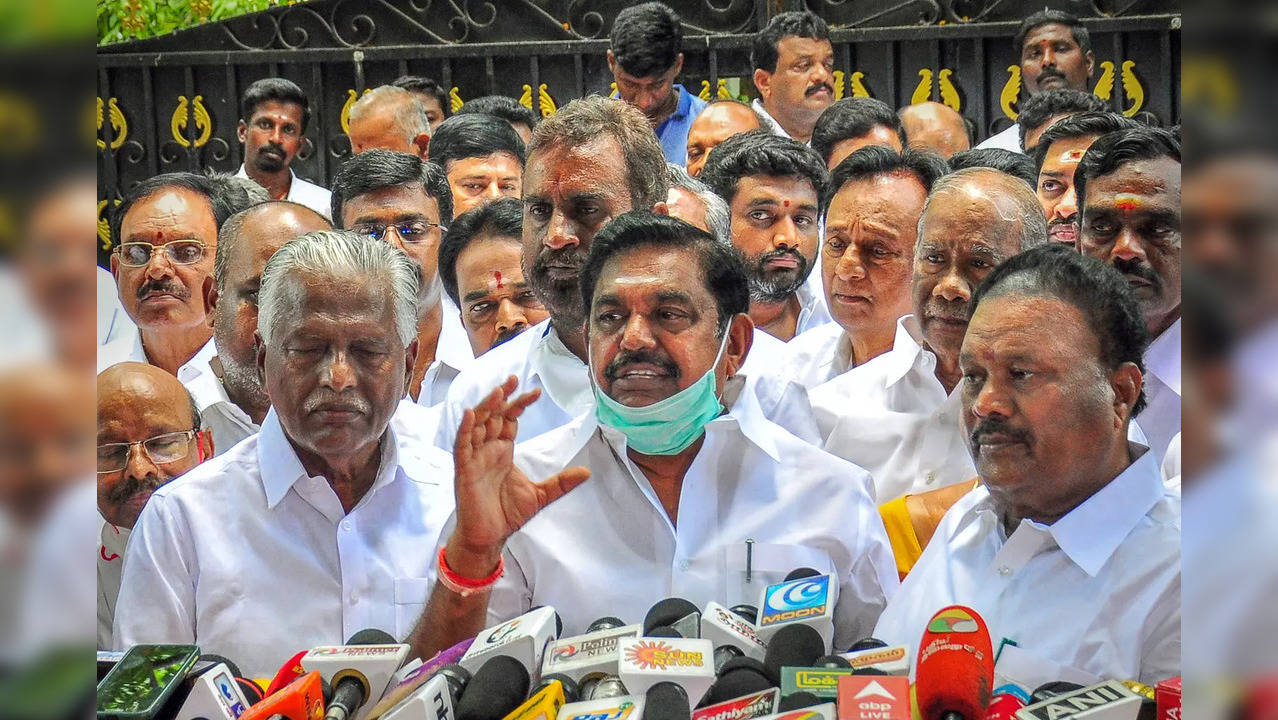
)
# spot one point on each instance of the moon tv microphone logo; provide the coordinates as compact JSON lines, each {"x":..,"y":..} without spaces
{"x":796,"y":599}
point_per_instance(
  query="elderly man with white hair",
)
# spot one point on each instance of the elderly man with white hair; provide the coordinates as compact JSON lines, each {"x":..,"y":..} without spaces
{"x":312,"y":529}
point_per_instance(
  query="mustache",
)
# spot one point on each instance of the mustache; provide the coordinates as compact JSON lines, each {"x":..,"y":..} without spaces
{"x":329,"y":401}
{"x":1063,"y":221}
{"x":819,"y":86}
{"x":946,"y":310}
{"x":567,"y":257}
{"x":996,"y":427}
{"x":127,"y":488}
{"x":767,"y":257}
{"x":506,"y":335}
{"x":1140,"y":270}
{"x":1050,"y":72}
{"x":168,"y":286}
{"x":630,"y":357}
{"x":272,"y":147}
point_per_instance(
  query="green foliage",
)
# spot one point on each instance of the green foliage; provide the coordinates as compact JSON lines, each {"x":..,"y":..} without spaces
{"x":122,"y":20}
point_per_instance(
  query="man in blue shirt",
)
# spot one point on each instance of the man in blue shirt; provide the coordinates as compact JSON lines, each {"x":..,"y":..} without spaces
{"x":645,"y":59}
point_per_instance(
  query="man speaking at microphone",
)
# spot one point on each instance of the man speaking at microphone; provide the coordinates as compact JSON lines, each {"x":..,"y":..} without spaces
{"x":692,"y":491}
{"x":1070,"y":547}
{"x":312,"y":529}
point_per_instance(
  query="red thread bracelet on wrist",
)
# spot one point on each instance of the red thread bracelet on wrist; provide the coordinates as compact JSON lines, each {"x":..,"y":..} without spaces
{"x":465,"y":586}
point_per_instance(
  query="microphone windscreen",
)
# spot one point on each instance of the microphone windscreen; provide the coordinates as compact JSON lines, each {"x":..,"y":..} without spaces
{"x":831,"y":662}
{"x":664,"y":631}
{"x":748,"y":612}
{"x":867,"y":644}
{"x":668,"y":612}
{"x":800,"y":573}
{"x":251,"y":690}
{"x":214,"y":658}
{"x":666,"y":701}
{"x":801,"y":699}
{"x":954,"y":673}
{"x":371,"y":636}
{"x":1051,"y":689}
{"x":498,"y":687}
{"x":792,"y":646}
{"x":738,"y":677}
{"x":607,"y":622}
{"x":571,"y":692}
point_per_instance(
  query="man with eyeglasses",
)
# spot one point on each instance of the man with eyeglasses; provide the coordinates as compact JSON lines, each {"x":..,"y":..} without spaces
{"x":165,"y":231}
{"x":403,"y":200}
{"x":148,"y":434}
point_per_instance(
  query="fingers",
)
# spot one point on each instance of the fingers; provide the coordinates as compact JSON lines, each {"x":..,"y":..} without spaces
{"x":516,"y":407}
{"x":560,"y":484}
{"x":462,"y":445}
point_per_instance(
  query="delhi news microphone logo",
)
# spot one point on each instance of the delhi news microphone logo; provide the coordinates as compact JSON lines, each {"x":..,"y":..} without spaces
{"x":796,"y":599}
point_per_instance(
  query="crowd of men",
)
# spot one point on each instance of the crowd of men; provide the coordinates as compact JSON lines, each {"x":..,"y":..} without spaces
{"x":508,"y":361}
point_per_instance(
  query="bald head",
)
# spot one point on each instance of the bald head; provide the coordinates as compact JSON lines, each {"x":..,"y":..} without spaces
{"x":716,"y":123}
{"x":247,"y":240}
{"x":389,"y":118}
{"x":140,"y":403}
{"x":936,"y":127}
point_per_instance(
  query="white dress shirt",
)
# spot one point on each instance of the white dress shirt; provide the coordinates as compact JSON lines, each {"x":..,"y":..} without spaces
{"x":452,"y":355}
{"x":250,"y":558}
{"x":608,"y":547}
{"x":891,"y":416}
{"x":228,"y":422}
{"x":813,"y":310}
{"x":1161,"y":417}
{"x":819,"y":355}
{"x":113,"y":322}
{"x":1097,"y":591}
{"x":110,"y":562}
{"x":1009,"y":139}
{"x":304,"y":193}
{"x":539,"y":359}
{"x":773,"y":126}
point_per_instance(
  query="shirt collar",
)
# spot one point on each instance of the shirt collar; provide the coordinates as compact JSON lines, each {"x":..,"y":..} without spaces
{"x":1090,"y":533}
{"x":775,"y":126}
{"x":560,"y":371}
{"x":907,"y":353}
{"x":281,"y":468}
{"x":1162,"y":357}
{"x":682,"y":107}
{"x":292,"y":180}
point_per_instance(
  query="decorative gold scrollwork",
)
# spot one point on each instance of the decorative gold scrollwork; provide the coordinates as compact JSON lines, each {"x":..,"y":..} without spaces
{"x":454,"y":100}
{"x":945,"y":83}
{"x":119,"y":125}
{"x":922,"y":92}
{"x":1007,"y":99}
{"x":182,"y":116}
{"x":104,"y":225}
{"x":345,"y":118}
{"x":856,"y":80}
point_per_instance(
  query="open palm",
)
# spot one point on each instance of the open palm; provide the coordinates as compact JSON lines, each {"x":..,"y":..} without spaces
{"x":495,"y":498}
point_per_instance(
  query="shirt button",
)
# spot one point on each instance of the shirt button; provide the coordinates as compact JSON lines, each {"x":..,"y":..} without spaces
{"x":354,"y":598}
{"x":683,"y":564}
{"x":346,"y":525}
{"x":1005,"y":571}
{"x":931,"y":478}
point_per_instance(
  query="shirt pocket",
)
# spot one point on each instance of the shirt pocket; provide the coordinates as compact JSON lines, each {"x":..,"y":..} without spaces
{"x":751,"y":571}
{"x":410,"y":600}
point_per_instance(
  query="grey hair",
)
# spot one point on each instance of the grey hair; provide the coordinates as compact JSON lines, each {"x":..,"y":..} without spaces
{"x":338,"y":254}
{"x":717,"y":215}
{"x":229,"y":234}
{"x":410,"y":113}
{"x":1025,"y":205}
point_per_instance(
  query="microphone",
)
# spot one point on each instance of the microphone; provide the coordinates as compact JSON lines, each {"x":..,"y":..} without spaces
{"x":687,"y":662}
{"x":1006,"y":702}
{"x":421,"y":675}
{"x":524,"y":638}
{"x":674,"y":612}
{"x":302,"y":699}
{"x":663,"y":631}
{"x":1167,"y":695}
{"x":749,"y":613}
{"x":359,"y":670}
{"x":288,"y":672}
{"x":434,"y":699}
{"x":804,"y":600}
{"x":602,"y":687}
{"x":874,"y":697}
{"x":607,"y":622}
{"x":796,"y":701}
{"x":721,"y":626}
{"x":794,"y":646}
{"x":543,"y":704}
{"x":625,"y":707}
{"x":738,"y":678}
{"x":572,"y":691}
{"x":667,"y":701}
{"x":584,"y":656}
{"x":498,"y":687}
{"x":893,"y":660}
{"x":743,"y":707}
{"x":820,"y":711}
{"x":1052,"y":689}
{"x":800,"y":573}
{"x":214,"y":694}
{"x":1109,"y":700}
{"x":831,"y":662}
{"x":954,"y":674}
{"x":867,"y":644}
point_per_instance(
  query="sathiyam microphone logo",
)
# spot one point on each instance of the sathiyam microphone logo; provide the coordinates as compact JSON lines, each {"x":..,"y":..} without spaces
{"x":801,"y":598}
{"x":658,"y":655}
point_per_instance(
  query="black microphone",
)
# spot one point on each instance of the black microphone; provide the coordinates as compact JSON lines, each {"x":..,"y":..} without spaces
{"x":603,"y":687}
{"x":724,"y":653}
{"x":607,"y":622}
{"x":1051,"y":689}
{"x":749,"y":612}
{"x":798,"y":700}
{"x":667,"y":701}
{"x":676,"y":613}
{"x":738,"y":677}
{"x":351,"y":691}
{"x":572,"y":693}
{"x":664,"y":631}
{"x":800,"y":573}
{"x":867,"y":644}
{"x":831,"y":662}
{"x":792,"y":646}
{"x":498,"y":687}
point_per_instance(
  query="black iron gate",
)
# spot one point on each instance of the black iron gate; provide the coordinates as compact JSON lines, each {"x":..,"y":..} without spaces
{"x":171,"y":103}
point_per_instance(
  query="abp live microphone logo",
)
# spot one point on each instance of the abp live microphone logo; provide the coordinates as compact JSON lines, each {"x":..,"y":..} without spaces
{"x":794,"y":600}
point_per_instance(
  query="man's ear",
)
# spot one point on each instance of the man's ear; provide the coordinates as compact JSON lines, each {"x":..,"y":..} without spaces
{"x":209,"y":292}
{"x":422,"y":143}
{"x":763,"y":83}
{"x":410,"y":358}
{"x":662,"y":208}
{"x":115,"y":263}
{"x":678,"y":64}
{"x":1091,"y":63}
{"x":740,"y":338}
{"x":1126,"y":381}
{"x":241,"y":131}
{"x":204,"y":444}
{"x":259,"y":349}
{"x":612,"y":64}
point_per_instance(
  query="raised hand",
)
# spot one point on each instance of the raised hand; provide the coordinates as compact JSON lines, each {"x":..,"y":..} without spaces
{"x":494,"y":498}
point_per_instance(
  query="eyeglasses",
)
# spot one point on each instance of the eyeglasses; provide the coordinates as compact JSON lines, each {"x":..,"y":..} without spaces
{"x":161,"y":449}
{"x":410,"y":232}
{"x":179,"y":252}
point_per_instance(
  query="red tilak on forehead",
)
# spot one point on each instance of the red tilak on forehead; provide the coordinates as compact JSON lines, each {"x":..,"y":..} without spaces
{"x":1127,"y":203}
{"x":497,"y":277}
{"x":785,"y":203}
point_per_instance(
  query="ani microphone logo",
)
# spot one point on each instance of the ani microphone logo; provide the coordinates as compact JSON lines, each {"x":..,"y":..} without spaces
{"x":661,"y":656}
{"x":797,"y":599}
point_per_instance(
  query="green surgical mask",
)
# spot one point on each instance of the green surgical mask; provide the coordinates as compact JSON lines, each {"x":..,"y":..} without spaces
{"x":669,"y":426}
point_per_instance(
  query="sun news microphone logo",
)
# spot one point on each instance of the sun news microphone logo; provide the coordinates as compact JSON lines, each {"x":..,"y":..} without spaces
{"x":797,"y":599}
{"x":658,"y":655}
